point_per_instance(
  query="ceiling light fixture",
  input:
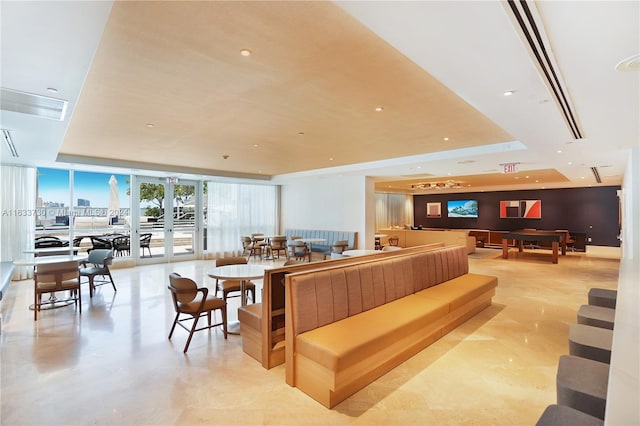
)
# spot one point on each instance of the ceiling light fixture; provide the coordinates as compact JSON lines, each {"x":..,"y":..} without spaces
{"x":445,"y":139}
{"x":509,"y":92}
{"x":52,"y":90}
{"x":255,"y":145}
{"x":379,"y":108}
{"x":246,"y":52}
{"x":7,"y":138}
{"x":448,"y":184}
{"x":150,"y":125}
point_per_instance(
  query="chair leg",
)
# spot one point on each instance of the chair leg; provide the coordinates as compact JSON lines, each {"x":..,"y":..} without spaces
{"x":112,"y":283}
{"x":224,"y":319}
{"x":193,"y":328}
{"x":91,"y":287}
{"x":35,"y":306}
{"x":173,"y":327}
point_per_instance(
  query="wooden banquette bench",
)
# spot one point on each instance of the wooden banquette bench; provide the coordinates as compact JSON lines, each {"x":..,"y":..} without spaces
{"x":348,"y":325}
{"x":262,"y":325}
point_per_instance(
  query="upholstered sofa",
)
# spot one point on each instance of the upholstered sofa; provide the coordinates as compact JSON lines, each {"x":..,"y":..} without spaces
{"x":348,"y":325}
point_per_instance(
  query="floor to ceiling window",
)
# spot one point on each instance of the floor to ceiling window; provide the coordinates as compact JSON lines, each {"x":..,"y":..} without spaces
{"x":235,"y":210}
{"x":76,"y":205}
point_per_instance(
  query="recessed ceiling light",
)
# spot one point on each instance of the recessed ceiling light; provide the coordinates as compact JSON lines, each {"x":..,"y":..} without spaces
{"x":526,"y":177}
{"x":150,"y":125}
{"x":246,"y":52}
{"x":581,"y":177}
{"x":330,"y":158}
{"x":419,"y":167}
{"x":559,"y":151}
{"x":537,"y":181}
{"x":517,"y":177}
{"x":379,"y":108}
{"x":570,"y":163}
{"x":300,"y":133}
{"x":255,"y":145}
{"x":445,"y":139}
{"x":509,"y":92}
{"x":52,"y":90}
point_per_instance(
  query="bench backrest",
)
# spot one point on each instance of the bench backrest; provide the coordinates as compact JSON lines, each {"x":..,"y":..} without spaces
{"x":320,"y":297}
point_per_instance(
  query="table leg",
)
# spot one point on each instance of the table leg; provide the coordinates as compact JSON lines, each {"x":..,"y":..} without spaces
{"x":554,"y":246}
{"x":505,"y":248}
{"x":234,"y":327}
{"x":520,"y":246}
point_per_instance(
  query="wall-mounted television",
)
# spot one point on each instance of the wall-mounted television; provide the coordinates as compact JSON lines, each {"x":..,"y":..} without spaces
{"x":462,"y":208}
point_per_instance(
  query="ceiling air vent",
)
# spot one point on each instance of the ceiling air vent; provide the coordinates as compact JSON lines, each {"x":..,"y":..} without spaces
{"x":594,"y":170}
{"x":7,"y":139}
{"x":28,"y":103}
{"x":528,"y":22}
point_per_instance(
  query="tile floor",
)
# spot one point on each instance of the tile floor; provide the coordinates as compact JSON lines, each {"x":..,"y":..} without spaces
{"x":113,"y":365}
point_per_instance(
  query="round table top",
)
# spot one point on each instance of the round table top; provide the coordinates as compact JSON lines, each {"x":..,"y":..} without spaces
{"x":312,"y":240}
{"x":41,"y":260}
{"x":360,"y":252}
{"x":238,"y":272}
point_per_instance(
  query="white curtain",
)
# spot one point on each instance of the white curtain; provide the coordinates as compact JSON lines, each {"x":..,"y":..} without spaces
{"x":393,"y":210}
{"x":18,"y":208}
{"x":236,"y":210}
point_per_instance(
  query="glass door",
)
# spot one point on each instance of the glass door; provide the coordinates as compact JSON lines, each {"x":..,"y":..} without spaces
{"x":186,"y":223}
{"x":153,"y":227}
{"x":167,"y":222}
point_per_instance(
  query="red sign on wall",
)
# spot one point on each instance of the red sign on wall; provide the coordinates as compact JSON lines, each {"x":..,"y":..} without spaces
{"x":509,"y":167}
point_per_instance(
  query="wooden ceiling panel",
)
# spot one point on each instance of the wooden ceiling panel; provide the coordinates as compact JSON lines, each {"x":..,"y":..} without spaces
{"x":314,"y":69}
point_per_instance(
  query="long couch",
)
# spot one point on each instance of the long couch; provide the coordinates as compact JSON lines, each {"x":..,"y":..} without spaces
{"x":348,"y":325}
{"x":329,"y":237}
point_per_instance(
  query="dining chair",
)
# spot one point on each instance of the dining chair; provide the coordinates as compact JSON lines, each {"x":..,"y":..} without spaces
{"x":246,"y":246}
{"x":278,"y":244}
{"x":299,"y":250}
{"x":337,"y":248}
{"x":191,"y":303}
{"x":55,"y":277}
{"x":145,"y":243}
{"x":233,"y":286}
{"x":98,"y":264}
{"x":259,"y":243}
{"x":99,"y":243}
{"x":122,"y":246}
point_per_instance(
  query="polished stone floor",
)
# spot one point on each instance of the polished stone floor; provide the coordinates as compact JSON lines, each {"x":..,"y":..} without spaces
{"x":113,"y":365}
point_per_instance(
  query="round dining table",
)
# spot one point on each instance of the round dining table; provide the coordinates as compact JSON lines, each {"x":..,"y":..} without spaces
{"x":243,"y":273}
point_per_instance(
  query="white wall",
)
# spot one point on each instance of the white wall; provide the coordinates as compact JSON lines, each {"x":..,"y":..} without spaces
{"x":624,"y":374}
{"x":331,"y":204}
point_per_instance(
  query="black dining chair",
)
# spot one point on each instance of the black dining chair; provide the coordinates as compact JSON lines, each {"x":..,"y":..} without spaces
{"x":99,"y":243}
{"x":145,"y":243}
